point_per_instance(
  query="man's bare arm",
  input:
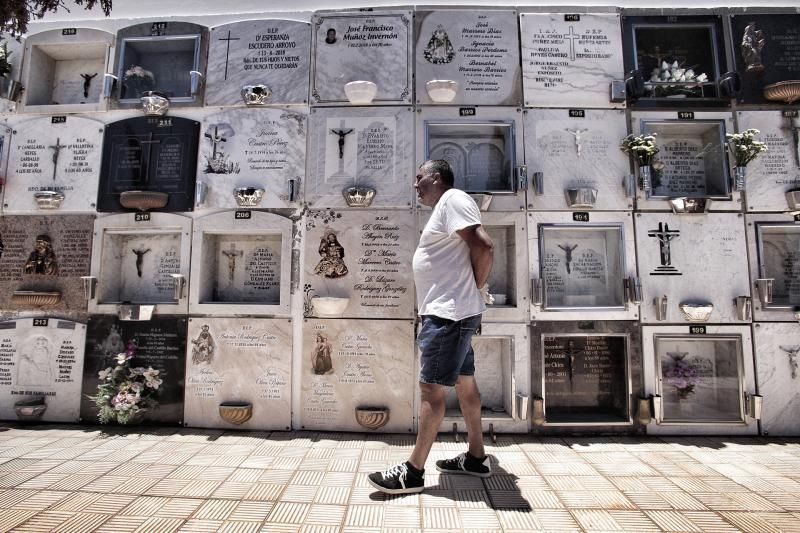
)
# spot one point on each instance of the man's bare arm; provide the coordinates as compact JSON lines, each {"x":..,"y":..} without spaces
{"x":481,"y":252}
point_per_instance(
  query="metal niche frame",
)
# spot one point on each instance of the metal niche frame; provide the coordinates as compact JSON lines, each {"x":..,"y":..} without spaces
{"x":789,"y":228}
{"x":740,"y":380}
{"x":646,"y":127}
{"x":619,"y":290}
{"x":628,"y":380}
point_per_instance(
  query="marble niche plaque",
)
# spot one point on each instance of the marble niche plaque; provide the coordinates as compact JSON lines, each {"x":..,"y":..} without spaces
{"x":767,"y":52}
{"x":258,"y":148}
{"x":350,"y":364}
{"x":242,"y":264}
{"x":155,"y":154}
{"x":577,"y":149}
{"x":778,"y":349}
{"x":357,"y":46}
{"x":692,"y":260}
{"x":777,"y":170}
{"x":241,"y":360}
{"x":361,"y":147}
{"x":164,"y":56}
{"x":477,"y":49}
{"x":64,"y":70}
{"x":44,"y":255}
{"x":41,"y":358}
{"x":774,"y":242}
{"x":136,"y":260}
{"x":160,"y":344}
{"x":365,"y":257}
{"x":5,"y":145}
{"x":270,"y":52}
{"x":59,"y":154}
{"x":570,"y":59}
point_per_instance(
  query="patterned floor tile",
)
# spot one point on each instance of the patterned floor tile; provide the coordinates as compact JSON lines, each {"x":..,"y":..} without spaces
{"x":515,"y":519}
{"x":11,"y":518}
{"x":215,"y":510}
{"x":397,"y":517}
{"x":634,"y":521}
{"x":231,"y":526}
{"x":160,"y":525}
{"x":288,"y":513}
{"x":144,"y":506}
{"x":672,"y":521}
{"x":121,"y":524}
{"x":446,"y":518}
{"x":365,"y":516}
{"x":179,"y":507}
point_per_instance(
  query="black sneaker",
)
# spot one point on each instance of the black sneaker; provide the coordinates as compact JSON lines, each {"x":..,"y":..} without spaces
{"x":399,"y":479}
{"x":465,"y":464}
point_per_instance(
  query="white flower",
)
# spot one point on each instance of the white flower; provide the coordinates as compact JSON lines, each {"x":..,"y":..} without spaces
{"x":664,"y":65}
{"x":690,"y":73}
{"x":675,"y":64}
{"x":702,"y":78}
{"x":105,"y":374}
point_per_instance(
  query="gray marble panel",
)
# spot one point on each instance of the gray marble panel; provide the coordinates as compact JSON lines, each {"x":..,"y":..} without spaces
{"x":577,"y":148}
{"x":695,"y":259}
{"x":270,"y":52}
{"x":60,"y":154}
{"x":363,"y":256}
{"x":361,"y":146}
{"x":349,"y":364}
{"x":478,"y":49}
{"x":239,"y":360}
{"x":53,"y":264}
{"x":261,"y":148}
{"x":42,"y":358}
{"x":570,"y":60}
{"x":352,"y":46}
{"x":777,"y":348}
{"x":778,"y":169}
{"x":5,"y":145}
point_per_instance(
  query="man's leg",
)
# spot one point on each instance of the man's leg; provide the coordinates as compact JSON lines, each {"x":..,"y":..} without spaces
{"x":469,"y":399}
{"x":431,"y":414}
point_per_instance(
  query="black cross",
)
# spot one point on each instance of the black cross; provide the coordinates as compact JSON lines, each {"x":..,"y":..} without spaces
{"x":149,"y":141}
{"x":56,"y":151}
{"x":228,"y":50}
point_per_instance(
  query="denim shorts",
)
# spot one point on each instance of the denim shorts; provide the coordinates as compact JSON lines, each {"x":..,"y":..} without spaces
{"x":446,"y":349}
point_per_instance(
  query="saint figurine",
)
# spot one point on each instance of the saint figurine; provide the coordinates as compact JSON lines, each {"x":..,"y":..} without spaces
{"x":753,"y":41}
{"x":203,"y":349}
{"x":321,"y":362}
{"x":43,"y":259}
{"x":332,"y":253}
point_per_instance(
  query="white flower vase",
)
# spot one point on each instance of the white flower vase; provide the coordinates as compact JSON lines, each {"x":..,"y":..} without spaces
{"x":645,"y":177}
{"x":739,"y":178}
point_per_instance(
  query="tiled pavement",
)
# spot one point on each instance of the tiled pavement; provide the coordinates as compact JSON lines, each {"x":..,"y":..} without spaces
{"x":76,"y":479}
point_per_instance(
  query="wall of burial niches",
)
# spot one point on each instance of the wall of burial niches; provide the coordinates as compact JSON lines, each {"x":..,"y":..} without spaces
{"x":255,"y":241}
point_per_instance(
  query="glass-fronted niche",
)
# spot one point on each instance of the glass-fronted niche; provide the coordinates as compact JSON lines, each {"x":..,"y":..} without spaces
{"x":778,"y":246}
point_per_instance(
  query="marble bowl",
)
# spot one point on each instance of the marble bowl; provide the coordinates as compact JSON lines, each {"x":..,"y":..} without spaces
{"x":442,"y":91}
{"x":48,"y":199}
{"x":696,"y":312}
{"x":327,"y":306}
{"x":787,"y":92}
{"x":256,"y":94}
{"x":582,"y":198}
{"x":236,"y":412}
{"x":143,"y":200}
{"x":248,"y":196}
{"x":484,"y":200}
{"x":793,"y":199}
{"x":360,"y":92}
{"x":154,"y":104}
{"x":372,"y":417}
{"x":685,"y":205}
{"x":36,"y":298}
{"x":358,"y":196}
{"x":30,"y":410}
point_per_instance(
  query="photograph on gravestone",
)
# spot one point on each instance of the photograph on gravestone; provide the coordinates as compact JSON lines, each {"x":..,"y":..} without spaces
{"x":700,"y":378}
{"x":357,"y":375}
{"x":778,"y":246}
{"x":680,"y":58}
{"x":373,"y":47}
{"x":54,"y":165}
{"x":42,"y":260}
{"x":692,"y":161}
{"x":259,"y":62}
{"x":494,"y":366}
{"x":65,"y":72}
{"x":238,"y":373}
{"x":582,"y":267}
{"x":767,"y":56}
{"x":467,"y":56}
{"x":585,"y":378}
{"x":252,"y":148}
{"x":359,"y":264}
{"x":151,"y":154}
{"x":571,"y":59}
{"x":41,"y":367}
{"x":159,"y":343}
{"x":167,"y":57}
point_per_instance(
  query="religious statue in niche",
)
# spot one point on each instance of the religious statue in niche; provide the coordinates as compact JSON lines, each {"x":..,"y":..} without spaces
{"x":33,"y":368}
{"x":439,"y":49}
{"x":753,"y":40}
{"x":331,"y":264}
{"x":577,"y":132}
{"x":112,"y":344}
{"x":203,"y":349}
{"x":217,"y":162}
{"x":87,"y":82}
{"x":140,"y":260}
{"x":568,"y":255}
{"x":791,"y":352}
{"x":43,"y":259}
{"x":321,"y":362}
{"x":665,"y":236}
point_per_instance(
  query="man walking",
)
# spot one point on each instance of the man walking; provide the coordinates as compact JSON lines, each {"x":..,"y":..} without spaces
{"x":451,"y":266}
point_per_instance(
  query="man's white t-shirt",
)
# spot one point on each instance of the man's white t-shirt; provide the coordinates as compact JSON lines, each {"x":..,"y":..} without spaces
{"x":442,"y":268}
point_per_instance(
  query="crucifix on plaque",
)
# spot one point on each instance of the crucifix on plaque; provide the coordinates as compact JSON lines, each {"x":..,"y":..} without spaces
{"x":795,"y":129}
{"x":140,"y":260}
{"x":228,"y":40}
{"x":56,"y":152}
{"x":577,"y":134}
{"x":571,"y":352}
{"x":146,"y":160}
{"x":571,"y":37}
{"x":568,"y":253}
{"x":664,"y":236}
{"x":342,"y":133}
{"x":232,"y":254}
{"x":215,"y":139}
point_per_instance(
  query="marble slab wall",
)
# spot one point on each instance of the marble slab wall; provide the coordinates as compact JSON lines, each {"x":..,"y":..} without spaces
{"x":41,"y":358}
{"x":778,"y":350}
{"x":240,"y":360}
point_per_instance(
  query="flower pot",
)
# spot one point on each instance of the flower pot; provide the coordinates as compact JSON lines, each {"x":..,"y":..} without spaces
{"x":372,"y":417}
{"x":739,"y":178}
{"x":154,"y":103}
{"x":358,"y":196}
{"x":30,"y":410}
{"x":143,"y":200}
{"x":236,"y":412}
{"x":696,"y":312}
{"x":442,"y":91}
{"x":48,"y":199}
{"x":793,"y":199}
{"x":360,"y":92}
{"x":645,"y":177}
{"x":326,"y":306}
{"x":783,"y":91}
{"x":248,"y":196}
{"x":685,"y":205}
{"x":36,"y":298}
{"x":583,"y":198}
{"x":256,"y":94}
